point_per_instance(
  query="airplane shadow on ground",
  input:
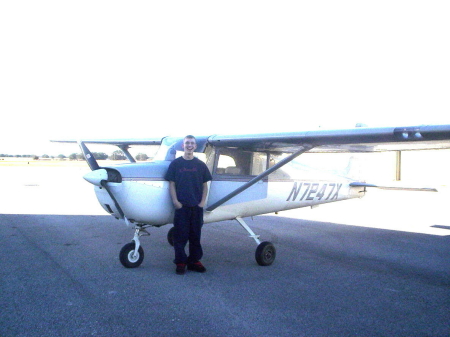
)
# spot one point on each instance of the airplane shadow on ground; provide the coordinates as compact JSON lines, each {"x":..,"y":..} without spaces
{"x":327,"y":279}
{"x":361,"y":247}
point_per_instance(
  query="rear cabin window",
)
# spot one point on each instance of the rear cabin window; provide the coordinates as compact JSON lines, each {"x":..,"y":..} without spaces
{"x":237,"y":162}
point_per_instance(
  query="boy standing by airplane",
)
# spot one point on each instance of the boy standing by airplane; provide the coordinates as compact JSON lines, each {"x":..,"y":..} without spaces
{"x":188,"y":177}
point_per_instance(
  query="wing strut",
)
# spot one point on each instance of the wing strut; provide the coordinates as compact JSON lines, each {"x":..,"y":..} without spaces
{"x":303,"y":148}
{"x":127,"y":154}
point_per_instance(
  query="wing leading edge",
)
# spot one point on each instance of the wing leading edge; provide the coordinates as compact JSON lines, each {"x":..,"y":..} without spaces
{"x":116,"y":142}
{"x":424,"y":137}
{"x":344,"y":140}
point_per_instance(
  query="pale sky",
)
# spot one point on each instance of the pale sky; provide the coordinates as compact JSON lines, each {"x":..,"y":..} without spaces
{"x":137,"y":69}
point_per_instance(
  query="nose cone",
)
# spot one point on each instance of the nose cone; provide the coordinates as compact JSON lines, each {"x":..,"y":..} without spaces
{"x":95,"y":177}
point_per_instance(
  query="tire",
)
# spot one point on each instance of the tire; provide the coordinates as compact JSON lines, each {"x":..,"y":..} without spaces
{"x":265,"y":253}
{"x":170,"y":236}
{"x":126,"y":256}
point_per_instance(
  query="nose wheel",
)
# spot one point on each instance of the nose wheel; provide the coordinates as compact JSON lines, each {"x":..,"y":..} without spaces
{"x":129,"y":257}
{"x":132,"y":254}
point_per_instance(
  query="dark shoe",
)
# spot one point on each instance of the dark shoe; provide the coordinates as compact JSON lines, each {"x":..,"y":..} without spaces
{"x":197,"y":266}
{"x":181,"y":268}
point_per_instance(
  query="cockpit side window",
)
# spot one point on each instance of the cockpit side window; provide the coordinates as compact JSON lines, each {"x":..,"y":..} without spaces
{"x":281,"y":173}
{"x":237,"y":162}
{"x":258,"y":163}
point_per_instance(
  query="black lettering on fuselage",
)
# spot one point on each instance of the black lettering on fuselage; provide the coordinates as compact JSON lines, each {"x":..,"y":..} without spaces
{"x":322,"y":191}
{"x":314,"y":191}
{"x":338,"y":187}
{"x":295,"y":191}
{"x":329,"y":195}
{"x":309,"y":186}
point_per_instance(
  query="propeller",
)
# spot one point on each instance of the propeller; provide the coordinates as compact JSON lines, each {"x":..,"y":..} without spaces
{"x":101,"y":177}
{"x":92,"y":162}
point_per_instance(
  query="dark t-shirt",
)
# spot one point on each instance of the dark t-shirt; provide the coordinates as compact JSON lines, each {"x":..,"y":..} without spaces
{"x":189,"y":176}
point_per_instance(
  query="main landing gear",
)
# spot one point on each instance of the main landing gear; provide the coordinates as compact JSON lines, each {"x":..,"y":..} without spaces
{"x":265,"y":252}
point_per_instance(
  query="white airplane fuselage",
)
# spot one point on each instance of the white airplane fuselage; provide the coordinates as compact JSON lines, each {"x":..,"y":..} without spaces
{"x":147,"y":200}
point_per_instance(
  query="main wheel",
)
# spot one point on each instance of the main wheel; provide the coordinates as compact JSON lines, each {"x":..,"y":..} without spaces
{"x":127,"y":257}
{"x":170,"y":236}
{"x":265,"y":253}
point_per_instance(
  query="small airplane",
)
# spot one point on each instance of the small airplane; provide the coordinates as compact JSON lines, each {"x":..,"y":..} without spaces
{"x":252,"y":175}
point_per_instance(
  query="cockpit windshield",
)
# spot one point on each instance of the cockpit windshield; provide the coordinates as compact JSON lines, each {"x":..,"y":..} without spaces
{"x":167,"y":149}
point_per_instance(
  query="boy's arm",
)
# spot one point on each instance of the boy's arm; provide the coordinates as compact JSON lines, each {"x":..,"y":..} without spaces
{"x":204,"y":195}
{"x":173,"y":195}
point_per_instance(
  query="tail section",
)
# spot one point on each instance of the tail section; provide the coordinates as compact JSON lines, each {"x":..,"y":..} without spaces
{"x":353,"y":170}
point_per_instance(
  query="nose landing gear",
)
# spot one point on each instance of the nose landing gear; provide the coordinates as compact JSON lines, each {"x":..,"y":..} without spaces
{"x":132,"y":254}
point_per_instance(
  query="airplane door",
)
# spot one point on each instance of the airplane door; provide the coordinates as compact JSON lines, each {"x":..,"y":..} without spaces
{"x":233,"y":168}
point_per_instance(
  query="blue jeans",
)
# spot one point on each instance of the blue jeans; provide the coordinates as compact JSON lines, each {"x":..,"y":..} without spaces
{"x":188,"y":222}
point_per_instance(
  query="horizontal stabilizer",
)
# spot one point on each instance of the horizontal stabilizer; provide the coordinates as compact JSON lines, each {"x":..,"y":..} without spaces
{"x":399,"y":188}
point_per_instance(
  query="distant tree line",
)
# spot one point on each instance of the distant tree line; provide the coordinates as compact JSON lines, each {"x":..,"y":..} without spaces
{"x":18,"y":155}
{"x":116,"y":155}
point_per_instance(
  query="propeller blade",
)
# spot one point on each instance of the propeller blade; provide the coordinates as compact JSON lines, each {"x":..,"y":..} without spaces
{"x":92,"y":162}
{"x":104,"y":184}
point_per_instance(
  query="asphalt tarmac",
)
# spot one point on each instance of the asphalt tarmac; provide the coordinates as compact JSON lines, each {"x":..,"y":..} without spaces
{"x":61,"y":275}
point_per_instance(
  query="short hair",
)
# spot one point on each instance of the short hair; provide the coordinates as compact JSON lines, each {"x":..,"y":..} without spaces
{"x":190,"y":137}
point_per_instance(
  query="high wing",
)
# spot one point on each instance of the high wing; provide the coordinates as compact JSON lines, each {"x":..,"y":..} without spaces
{"x":345,"y":140}
{"x":363,"y":139}
{"x":116,"y":142}
{"x":349,"y":140}
{"x":123,"y":144}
